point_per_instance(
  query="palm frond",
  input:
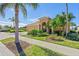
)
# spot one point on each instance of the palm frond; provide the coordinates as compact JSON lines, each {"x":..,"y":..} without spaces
{"x":23,"y":9}
{"x":3,"y":6}
{"x":34,"y":5}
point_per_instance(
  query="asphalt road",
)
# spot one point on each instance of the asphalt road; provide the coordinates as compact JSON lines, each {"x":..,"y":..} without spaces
{"x":5,"y":35}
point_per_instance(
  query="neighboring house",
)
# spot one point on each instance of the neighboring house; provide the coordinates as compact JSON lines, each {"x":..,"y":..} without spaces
{"x":3,"y":29}
{"x":39,"y":25}
{"x":72,"y":27}
{"x":77,"y":29}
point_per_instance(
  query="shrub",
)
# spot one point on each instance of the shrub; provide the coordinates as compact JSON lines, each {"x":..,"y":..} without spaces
{"x":11,"y":31}
{"x":33,"y":32}
{"x":73,"y":36}
{"x":40,"y":31}
{"x":43,"y":34}
{"x":72,"y":31}
{"x":21,"y":30}
{"x":55,"y":38}
{"x":37,"y":33}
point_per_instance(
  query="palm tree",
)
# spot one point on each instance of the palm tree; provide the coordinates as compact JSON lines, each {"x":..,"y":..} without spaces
{"x":49,"y":26}
{"x":16,"y":7}
{"x":59,"y":22}
{"x":66,"y":19}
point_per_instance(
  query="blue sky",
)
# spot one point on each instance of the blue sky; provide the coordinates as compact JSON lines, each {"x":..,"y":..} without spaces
{"x":44,"y":9}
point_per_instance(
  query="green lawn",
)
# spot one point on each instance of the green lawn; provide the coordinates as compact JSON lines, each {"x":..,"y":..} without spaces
{"x":68,"y":43}
{"x":39,"y":38}
{"x":38,"y":51}
{"x":7,"y":40}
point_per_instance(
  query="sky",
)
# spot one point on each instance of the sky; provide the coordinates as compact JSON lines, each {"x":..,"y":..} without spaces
{"x":43,"y":9}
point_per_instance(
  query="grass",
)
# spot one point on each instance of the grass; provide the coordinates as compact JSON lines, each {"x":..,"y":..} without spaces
{"x":68,"y":43}
{"x":38,"y":51}
{"x":39,"y":38}
{"x":7,"y":40}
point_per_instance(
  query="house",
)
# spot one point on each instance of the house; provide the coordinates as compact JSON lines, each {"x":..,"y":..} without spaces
{"x":3,"y":29}
{"x":39,"y":25}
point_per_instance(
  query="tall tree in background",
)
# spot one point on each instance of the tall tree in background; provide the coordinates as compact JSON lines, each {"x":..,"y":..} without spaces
{"x":13,"y":22}
{"x":17,"y":7}
{"x":66,"y":19}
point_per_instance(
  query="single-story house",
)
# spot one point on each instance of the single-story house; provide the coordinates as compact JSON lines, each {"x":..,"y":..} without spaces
{"x":40,"y":25}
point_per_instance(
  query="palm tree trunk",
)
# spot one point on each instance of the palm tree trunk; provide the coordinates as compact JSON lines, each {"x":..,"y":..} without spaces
{"x":66,"y":19}
{"x":18,"y":46}
{"x":16,"y":24}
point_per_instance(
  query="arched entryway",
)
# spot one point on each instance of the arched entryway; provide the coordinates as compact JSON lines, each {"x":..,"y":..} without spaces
{"x":44,"y":27}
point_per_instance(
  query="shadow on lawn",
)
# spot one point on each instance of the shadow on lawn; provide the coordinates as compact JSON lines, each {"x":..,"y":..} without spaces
{"x":20,"y":50}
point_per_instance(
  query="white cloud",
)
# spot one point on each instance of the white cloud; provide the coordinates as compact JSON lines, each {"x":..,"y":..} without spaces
{"x":21,"y":24}
{"x":3,"y":23}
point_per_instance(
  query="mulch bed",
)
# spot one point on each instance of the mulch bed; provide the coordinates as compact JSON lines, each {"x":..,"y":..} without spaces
{"x":11,"y":46}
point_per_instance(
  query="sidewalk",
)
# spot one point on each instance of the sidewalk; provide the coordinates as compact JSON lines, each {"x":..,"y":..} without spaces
{"x":54,"y":47}
{"x":4,"y":51}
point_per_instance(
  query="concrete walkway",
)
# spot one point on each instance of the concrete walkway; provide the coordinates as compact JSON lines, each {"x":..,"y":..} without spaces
{"x":54,"y":47}
{"x":4,"y":51}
